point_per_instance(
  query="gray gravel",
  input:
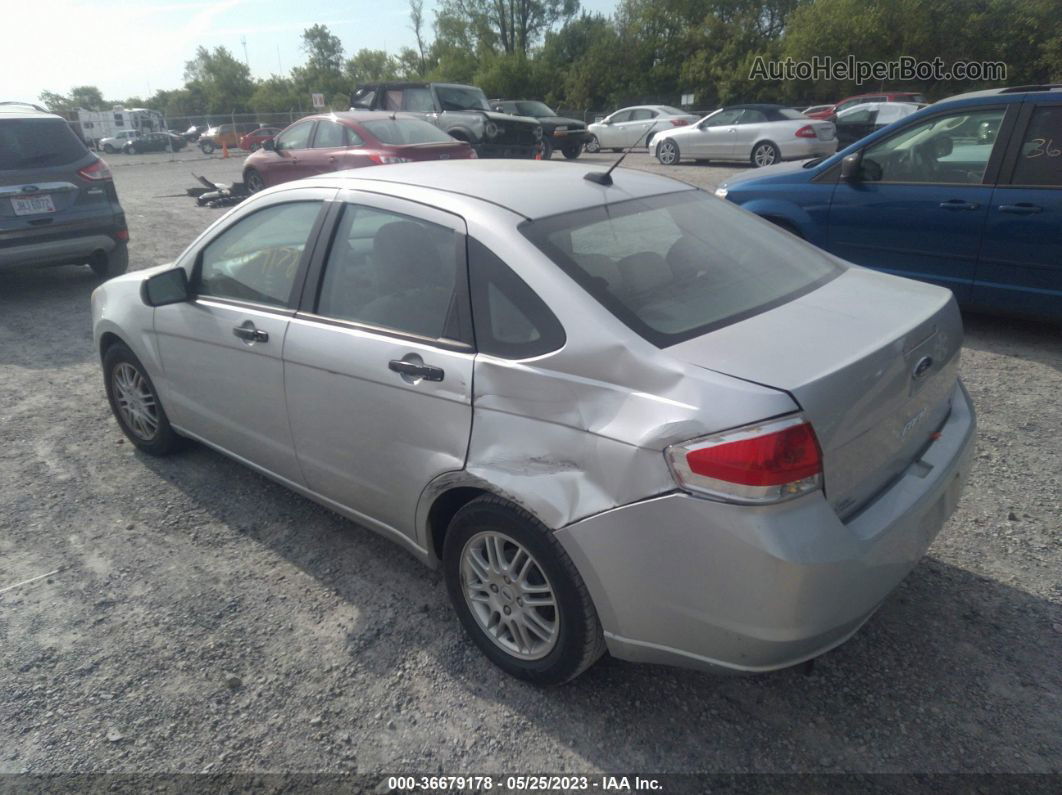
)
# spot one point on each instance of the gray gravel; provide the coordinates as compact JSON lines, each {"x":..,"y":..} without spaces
{"x":203,"y":618}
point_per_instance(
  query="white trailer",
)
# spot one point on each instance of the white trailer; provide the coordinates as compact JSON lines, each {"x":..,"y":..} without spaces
{"x":97,"y":124}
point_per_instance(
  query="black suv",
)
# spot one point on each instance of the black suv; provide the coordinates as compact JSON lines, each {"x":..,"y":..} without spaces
{"x":58,"y":204}
{"x":461,"y":111}
{"x":558,"y":132}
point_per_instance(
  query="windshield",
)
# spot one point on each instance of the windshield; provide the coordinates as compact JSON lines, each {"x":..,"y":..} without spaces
{"x":399,"y":132}
{"x":538,"y":110}
{"x":461,"y":98}
{"x":676,"y":266}
{"x":38,"y":143}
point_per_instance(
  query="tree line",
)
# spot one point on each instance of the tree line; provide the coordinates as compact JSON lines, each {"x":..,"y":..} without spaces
{"x":647,"y":50}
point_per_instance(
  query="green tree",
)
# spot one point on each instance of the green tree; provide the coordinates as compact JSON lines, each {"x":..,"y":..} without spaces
{"x":277,"y":94}
{"x":221,"y":81}
{"x":367,"y":66}
{"x":508,"y":26}
{"x":86,"y":97}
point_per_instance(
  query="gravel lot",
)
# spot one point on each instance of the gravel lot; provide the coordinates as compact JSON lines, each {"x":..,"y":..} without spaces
{"x":204,"y":619}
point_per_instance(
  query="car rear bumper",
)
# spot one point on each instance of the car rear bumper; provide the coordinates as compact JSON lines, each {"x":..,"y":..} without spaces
{"x":801,"y":148}
{"x":57,"y":249}
{"x":686,"y":581}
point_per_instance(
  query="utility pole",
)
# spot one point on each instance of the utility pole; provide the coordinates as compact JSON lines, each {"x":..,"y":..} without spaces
{"x":243,"y":41}
{"x":280,"y":69}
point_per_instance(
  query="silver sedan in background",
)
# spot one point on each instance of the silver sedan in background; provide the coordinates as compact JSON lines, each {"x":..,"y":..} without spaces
{"x":617,"y":412}
{"x":635,"y":126}
{"x":758,"y":134}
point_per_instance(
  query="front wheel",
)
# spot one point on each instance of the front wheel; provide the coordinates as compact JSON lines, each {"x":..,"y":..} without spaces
{"x":206,"y":147}
{"x":667,"y":152}
{"x":518,"y":594}
{"x":592,"y":145}
{"x":547,"y":149}
{"x":255,"y":147}
{"x":765,"y":154}
{"x":135,"y":402}
{"x":109,"y":149}
{"x":571,"y":151}
{"x":253,"y":180}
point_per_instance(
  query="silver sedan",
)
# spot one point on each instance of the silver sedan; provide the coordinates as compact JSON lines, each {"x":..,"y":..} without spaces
{"x":635,"y":126}
{"x":617,"y":412}
{"x":758,"y":134}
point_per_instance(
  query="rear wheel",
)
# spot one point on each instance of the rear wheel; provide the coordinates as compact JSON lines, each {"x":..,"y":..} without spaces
{"x":765,"y":154}
{"x":207,"y":147}
{"x":518,"y":594}
{"x":667,"y":152}
{"x":135,"y":402}
{"x":592,"y":145}
{"x":107,"y":264}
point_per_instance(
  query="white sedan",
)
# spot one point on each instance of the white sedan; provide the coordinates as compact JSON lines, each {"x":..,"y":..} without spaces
{"x":635,"y":126}
{"x":758,"y":134}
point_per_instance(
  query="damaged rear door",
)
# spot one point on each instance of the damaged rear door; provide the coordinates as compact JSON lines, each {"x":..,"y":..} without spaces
{"x":378,"y":359}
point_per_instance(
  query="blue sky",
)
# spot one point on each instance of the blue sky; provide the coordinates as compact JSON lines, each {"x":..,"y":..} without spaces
{"x":133,"y":47}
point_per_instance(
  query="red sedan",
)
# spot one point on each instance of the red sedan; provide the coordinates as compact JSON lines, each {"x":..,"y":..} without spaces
{"x":338,"y":141}
{"x":253,"y":141}
{"x":885,"y":96}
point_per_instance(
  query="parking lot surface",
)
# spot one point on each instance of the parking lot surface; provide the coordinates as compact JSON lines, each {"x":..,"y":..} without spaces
{"x":198,"y":617}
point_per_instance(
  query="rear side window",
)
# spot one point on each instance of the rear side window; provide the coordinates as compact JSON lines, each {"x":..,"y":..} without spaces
{"x":679,"y":265}
{"x":510,"y":320}
{"x":399,"y":132}
{"x":1040,"y":161}
{"x":330,"y":135}
{"x":37,"y":143}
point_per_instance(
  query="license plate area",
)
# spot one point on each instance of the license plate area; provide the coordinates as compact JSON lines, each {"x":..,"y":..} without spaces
{"x":33,"y":205}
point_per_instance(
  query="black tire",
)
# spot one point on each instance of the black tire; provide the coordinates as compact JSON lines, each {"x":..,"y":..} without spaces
{"x":255,"y":147}
{"x":109,"y":149}
{"x":649,"y":142}
{"x":108,"y":264}
{"x":763,"y":152}
{"x":579,"y":639}
{"x":547,"y":149}
{"x":164,"y":439}
{"x":253,"y":181}
{"x":571,"y":151}
{"x":206,"y":147}
{"x":592,"y":145}
{"x":668,"y":152}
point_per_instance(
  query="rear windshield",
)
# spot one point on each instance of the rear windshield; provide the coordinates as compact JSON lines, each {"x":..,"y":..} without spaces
{"x":38,"y":143}
{"x":671,"y":110}
{"x":406,"y":131}
{"x":679,"y":265}
{"x":790,"y":113}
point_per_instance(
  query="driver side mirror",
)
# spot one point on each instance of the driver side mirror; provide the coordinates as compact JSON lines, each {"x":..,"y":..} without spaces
{"x":852,"y":167}
{"x":269,"y":144}
{"x":168,"y":287}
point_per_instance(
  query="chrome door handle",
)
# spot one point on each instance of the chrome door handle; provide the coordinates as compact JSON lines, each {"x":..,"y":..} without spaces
{"x":1021,"y":208}
{"x":248,"y":333}
{"x":416,"y":370}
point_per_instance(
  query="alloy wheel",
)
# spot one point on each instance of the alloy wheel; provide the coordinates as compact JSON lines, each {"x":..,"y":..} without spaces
{"x":509,"y":595}
{"x":764,"y":155}
{"x":667,"y":153}
{"x":136,"y":401}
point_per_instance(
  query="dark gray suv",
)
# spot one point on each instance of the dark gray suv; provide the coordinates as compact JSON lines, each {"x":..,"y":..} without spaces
{"x":58,"y":205}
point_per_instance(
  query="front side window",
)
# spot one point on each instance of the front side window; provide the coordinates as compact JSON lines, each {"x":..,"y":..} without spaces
{"x":1040,"y":161}
{"x":461,"y":98}
{"x":941,"y":150}
{"x":620,"y":116}
{"x":642,"y":114}
{"x":295,"y":137}
{"x":681,"y":264}
{"x":391,"y":271}
{"x":257,"y":258}
{"x":330,"y":135}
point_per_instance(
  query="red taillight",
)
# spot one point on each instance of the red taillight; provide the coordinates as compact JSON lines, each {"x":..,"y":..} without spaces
{"x":121,"y":234}
{"x":95,"y":171}
{"x":807,"y":131}
{"x":385,"y":160}
{"x":762,"y":463}
{"x":679,"y":122}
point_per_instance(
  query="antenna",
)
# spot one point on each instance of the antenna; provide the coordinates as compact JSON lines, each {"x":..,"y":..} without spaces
{"x":243,"y":41}
{"x":605,"y":177}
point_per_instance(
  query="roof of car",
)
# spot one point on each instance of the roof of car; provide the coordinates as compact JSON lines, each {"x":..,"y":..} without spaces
{"x":755,"y":106}
{"x":362,"y":115}
{"x":25,"y":110}
{"x":1008,"y":91}
{"x":531,"y":188}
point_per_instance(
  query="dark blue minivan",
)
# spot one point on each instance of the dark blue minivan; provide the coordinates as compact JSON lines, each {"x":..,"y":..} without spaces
{"x":966,"y":193}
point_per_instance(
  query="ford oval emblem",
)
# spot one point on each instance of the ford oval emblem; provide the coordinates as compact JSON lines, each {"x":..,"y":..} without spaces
{"x":922,"y":367}
{"x":30,"y":189}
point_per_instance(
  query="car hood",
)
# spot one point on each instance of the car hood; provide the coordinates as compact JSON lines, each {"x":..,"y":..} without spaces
{"x":552,"y":122}
{"x":502,"y":118}
{"x":779,"y":172}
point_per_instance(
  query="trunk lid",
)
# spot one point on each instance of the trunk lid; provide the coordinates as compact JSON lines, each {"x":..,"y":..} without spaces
{"x":871,"y":359}
{"x":825,"y":130}
{"x":457,"y":150}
